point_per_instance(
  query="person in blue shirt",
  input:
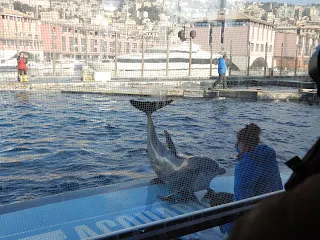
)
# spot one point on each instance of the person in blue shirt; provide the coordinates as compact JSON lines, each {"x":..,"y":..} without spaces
{"x":257,"y":170}
{"x":222,"y":69}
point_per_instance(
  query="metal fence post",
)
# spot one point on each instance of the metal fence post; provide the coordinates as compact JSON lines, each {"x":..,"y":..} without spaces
{"x":142,"y":57}
{"x":296,"y":61}
{"x":230,"y":58}
{"x":248,"y":53}
{"x":190,"y":57}
{"x":167,"y":57}
{"x":266,"y":60}
{"x":281,"y":59}
{"x":116,"y":55}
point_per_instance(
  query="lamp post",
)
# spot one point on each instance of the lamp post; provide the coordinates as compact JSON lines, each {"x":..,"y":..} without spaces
{"x":221,"y":11}
{"x":181,"y":35}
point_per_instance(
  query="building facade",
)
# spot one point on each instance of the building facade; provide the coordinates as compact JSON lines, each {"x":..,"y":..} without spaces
{"x":293,"y":50}
{"x":249,"y":41}
{"x":19,"y":32}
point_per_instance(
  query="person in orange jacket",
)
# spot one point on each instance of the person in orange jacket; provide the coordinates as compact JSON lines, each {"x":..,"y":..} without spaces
{"x":22,"y":67}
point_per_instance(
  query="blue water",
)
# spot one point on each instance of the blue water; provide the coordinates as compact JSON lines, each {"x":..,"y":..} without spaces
{"x":52,"y":143}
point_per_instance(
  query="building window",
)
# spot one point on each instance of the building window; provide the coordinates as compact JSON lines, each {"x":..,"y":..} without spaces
{"x":257,"y":47}
{"x":261,"y":48}
{"x":64,"y":29}
{"x":252,"y":47}
{"x":270,"y":48}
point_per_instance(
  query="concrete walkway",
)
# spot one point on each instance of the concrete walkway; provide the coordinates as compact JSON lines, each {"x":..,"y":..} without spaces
{"x":186,"y":89}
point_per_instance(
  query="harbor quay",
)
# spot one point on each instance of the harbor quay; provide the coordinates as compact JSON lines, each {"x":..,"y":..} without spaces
{"x":252,"y":88}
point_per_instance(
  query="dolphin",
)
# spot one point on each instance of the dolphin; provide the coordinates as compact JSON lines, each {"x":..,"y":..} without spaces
{"x":184,"y":175}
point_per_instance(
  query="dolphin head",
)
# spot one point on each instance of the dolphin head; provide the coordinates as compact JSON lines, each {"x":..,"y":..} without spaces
{"x":216,"y":169}
{"x":205,"y":169}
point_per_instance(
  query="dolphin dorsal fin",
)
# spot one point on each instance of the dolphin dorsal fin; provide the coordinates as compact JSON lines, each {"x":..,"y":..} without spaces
{"x":169,"y":143}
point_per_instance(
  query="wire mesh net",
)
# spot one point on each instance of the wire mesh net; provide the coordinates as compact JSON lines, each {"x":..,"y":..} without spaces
{"x":117,"y":114}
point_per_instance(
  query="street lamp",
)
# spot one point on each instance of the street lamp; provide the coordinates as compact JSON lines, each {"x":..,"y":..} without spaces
{"x":182,"y":36}
{"x":221,"y":11}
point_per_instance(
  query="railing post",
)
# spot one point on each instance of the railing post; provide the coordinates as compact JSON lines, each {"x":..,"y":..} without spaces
{"x":210,"y":43}
{"x":281,"y":59}
{"x":266,"y":60}
{"x":86,"y":32}
{"x":190,"y":57}
{"x":248,"y":52}
{"x":116,"y":55}
{"x":167,"y":58}
{"x":230,"y":60}
{"x":296,"y":61}
{"x":142,"y":57}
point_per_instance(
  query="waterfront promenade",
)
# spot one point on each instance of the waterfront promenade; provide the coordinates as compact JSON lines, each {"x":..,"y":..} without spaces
{"x":254,"y":88}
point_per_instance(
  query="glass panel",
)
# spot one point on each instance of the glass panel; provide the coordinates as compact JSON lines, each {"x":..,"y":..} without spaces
{"x":119,"y":113}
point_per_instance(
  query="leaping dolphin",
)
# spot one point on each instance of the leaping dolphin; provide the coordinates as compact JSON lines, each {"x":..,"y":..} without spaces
{"x":183,"y":175}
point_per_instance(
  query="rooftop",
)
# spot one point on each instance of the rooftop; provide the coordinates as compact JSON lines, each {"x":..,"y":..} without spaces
{"x":233,"y":16}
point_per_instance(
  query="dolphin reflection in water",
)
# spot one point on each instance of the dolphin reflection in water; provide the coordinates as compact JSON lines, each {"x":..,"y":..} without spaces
{"x":183,"y":175}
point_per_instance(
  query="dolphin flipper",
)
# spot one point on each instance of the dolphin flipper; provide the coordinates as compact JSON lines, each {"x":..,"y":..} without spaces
{"x":169,"y":143}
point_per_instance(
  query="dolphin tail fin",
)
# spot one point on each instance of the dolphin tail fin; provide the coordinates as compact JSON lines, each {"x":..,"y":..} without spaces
{"x":169,"y":143}
{"x":149,"y":107}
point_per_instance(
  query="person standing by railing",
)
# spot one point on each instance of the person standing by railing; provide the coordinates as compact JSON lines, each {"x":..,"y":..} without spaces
{"x":222,"y":69}
{"x":22,"y":67}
